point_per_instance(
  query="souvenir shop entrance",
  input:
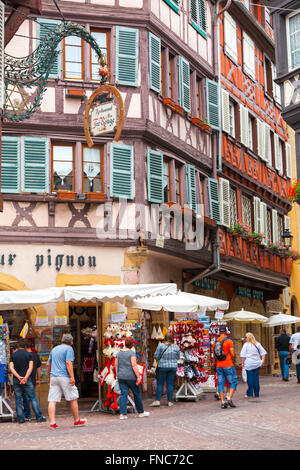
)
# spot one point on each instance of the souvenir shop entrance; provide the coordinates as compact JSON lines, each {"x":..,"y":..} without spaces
{"x":83,"y":327}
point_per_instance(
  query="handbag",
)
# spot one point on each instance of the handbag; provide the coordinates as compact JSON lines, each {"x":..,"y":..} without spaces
{"x":244,"y":374}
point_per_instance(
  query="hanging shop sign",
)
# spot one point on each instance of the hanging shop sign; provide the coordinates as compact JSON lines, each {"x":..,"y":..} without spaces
{"x":104,"y":114}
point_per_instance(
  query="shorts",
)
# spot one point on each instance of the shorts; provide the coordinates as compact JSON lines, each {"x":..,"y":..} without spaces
{"x":229,"y":374}
{"x":59,"y":386}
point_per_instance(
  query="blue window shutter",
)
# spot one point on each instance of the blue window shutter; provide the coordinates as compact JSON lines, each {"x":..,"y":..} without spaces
{"x":212,"y":97}
{"x":43,"y":26}
{"x":173,"y":4}
{"x":127,"y":56}
{"x":35,"y":165}
{"x":155,"y":176}
{"x":10,"y":165}
{"x":198,"y":16}
{"x":184,"y":84}
{"x":121,"y":171}
{"x":154,"y":63}
{"x":214,"y":200}
{"x":191,"y":188}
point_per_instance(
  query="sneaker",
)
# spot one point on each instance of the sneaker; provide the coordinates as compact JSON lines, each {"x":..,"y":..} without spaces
{"x":155,"y":403}
{"x":43,"y":420}
{"x":247,"y":396}
{"x":28,"y":420}
{"x":53,"y":426}
{"x":143,"y":415}
{"x":223,"y":406}
{"x":229,"y":403}
{"x":170,"y":403}
{"x":81,"y":422}
{"x":123,"y":417}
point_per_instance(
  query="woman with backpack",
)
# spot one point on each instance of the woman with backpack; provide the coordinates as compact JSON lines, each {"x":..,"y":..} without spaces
{"x":253,"y":358}
{"x":167,"y":355}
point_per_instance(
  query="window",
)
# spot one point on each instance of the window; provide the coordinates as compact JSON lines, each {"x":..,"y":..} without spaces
{"x":251,"y":125}
{"x":248,"y":55}
{"x":269,"y":226}
{"x":230,"y":36}
{"x":102,"y":39}
{"x":171,"y":69}
{"x":293,"y":33}
{"x":268,"y":76}
{"x":231,"y":119}
{"x":63,"y":167}
{"x":166,"y":182}
{"x":44,"y":27}
{"x":198,"y":16}
{"x":92,"y":170}
{"x":163,"y":53}
{"x":177,"y":184}
{"x":233,"y":207}
{"x":198,"y":97}
{"x":280,"y":228}
{"x":184,"y":84}
{"x":247,"y":211}
{"x":268,"y":17}
{"x":73,"y":58}
{"x":155,"y":63}
{"x":127,"y":56}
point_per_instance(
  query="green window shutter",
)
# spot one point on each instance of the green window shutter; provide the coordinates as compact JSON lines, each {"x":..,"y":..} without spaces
{"x":184,"y":84}
{"x":43,"y":26}
{"x":121,"y":171}
{"x":35,"y":165}
{"x":10,"y":165}
{"x":212,"y":97}
{"x":154,"y":63}
{"x":155,"y":176}
{"x":198,"y":16}
{"x":214,"y":201}
{"x":191,"y":189}
{"x":173,"y":4}
{"x":127,"y":54}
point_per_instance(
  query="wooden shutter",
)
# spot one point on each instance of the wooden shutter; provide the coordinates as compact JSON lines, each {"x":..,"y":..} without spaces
{"x":191,"y":188}
{"x":260,"y":139}
{"x":225,"y":111}
{"x":43,"y":26}
{"x":275,"y":237}
{"x":155,"y":176}
{"x":248,"y":55}
{"x":212,"y":98}
{"x":276,"y":87}
{"x":287,"y":223}
{"x":121,"y":171}
{"x":244,"y":123}
{"x":288,"y":156}
{"x":214,"y":201}
{"x":230,"y":34}
{"x":257,"y":215}
{"x":35,"y":165}
{"x":10,"y":165}
{"x":264,"y":222}
{"x":268,"y":149}
{"x":198,"y":15}
{"x":174,"y":4}
{"x":155,"y":63}
{"x":2,"y":84}
{"x":184,"y":84}
{"x":127,"y":52}
{"x":225,"y":201}
{"x":278,"y":154}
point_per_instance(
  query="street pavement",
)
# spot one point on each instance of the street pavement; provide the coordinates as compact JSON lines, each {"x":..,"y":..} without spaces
{"x":271,"y":422}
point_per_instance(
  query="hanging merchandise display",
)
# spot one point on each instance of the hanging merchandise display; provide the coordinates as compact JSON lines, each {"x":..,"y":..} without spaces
{"x":189,"y":336}
{"x":5,"y":409}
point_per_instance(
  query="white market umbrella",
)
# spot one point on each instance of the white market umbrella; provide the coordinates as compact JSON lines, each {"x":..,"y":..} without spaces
{"x":243,"y":316}
{"x":183,"y":302}
{"x":22,"y":299}
{"x":282,"y":319}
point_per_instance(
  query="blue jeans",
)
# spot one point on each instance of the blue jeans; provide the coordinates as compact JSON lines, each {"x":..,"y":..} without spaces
{"x":283,"y":366}
{"x":253,"y":382}
{"x":228,"y":373}
{"x":125,"y":385}
{"x":165,"y":375}
{"x":26,"y":392}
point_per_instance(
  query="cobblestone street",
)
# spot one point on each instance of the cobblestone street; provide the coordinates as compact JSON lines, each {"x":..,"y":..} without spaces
{"x":271,"y":422}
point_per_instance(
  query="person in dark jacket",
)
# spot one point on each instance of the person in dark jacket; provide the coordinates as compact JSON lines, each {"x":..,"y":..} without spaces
{"x":282,"y":344}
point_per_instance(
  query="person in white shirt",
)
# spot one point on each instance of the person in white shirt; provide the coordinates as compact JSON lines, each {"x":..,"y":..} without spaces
{"x":295,"y":346}
{"x":253,"y":358}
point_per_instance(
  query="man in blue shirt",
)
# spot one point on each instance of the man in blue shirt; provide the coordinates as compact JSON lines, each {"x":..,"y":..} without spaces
{"x":61,"y":380}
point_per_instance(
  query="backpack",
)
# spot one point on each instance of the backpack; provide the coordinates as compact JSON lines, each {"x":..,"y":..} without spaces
{"x":219,"y":351}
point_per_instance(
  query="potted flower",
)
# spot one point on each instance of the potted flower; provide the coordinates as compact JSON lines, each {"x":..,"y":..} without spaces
{"x":239,"y":228}
{"x":256,"y":237}
{"x":294,"y":192}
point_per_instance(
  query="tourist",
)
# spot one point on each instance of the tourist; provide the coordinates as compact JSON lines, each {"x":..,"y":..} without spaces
{"x":294,"y":347}
{"x":167,"y":355}
{"x":282,"y":347}
{"x":129,"y":378}
{"x":21,"y":365}
{"x":253,"y":358}
{"x":35,"y":378}
{"x":61,"y":380}
{"x":225,"y":356}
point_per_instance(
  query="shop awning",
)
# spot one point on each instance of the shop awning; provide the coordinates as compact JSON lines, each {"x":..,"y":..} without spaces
{"x":181,"y":302}
{"x":243,"y":316}
{"x":282,"y":319}
{"x":11,"y":300}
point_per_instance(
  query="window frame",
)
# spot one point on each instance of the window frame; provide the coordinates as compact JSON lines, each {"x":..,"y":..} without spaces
{"x":289,"y":56}
{"x":63,"y":144}
{"x":64,"y":60}
{"x":100,"y":194}
{"x":233,"y":54}
{"x":168,"y":162}
{"x":232,"y":118}
{"x":107,"y":32}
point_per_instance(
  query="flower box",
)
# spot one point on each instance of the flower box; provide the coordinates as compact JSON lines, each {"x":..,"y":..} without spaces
{"x":169,"y":103}
{"x":197,"y":122}
{"x":179,"y":110}
{"x":66,"y":195}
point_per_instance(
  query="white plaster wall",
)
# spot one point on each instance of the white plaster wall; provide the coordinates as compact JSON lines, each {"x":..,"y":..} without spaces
{"x":71,"y":105}
{"x":134,"y":110}
{"x":19,"y":46}
{"x":155,"y":7}
{"x":48,"y":102}
{"x":104,"y":2}
{"x":131,"y":3}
